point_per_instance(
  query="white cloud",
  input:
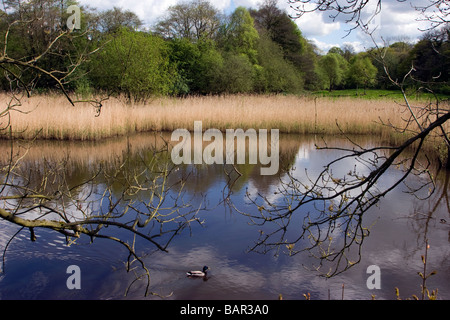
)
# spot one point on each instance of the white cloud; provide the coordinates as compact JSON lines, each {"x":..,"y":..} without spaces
{"x":313,"y":25}
{"x":246,"y":3}
{"x":221,"y":5}
{"x":357,"y":45}
{"x":395,"y":23}
{"x":149,"y":11}
{"x":323,"y":46}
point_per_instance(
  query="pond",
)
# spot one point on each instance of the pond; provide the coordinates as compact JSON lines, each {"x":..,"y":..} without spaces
{"x":209,"y":217}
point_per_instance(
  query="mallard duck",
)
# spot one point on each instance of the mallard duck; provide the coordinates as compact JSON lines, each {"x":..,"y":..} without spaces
{"x":198,"y":273}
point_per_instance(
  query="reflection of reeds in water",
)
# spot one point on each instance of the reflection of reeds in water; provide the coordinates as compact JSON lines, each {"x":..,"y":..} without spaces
{"x":52,"y":117}
{"x":84,"y":153}
{"x":81,"y":160}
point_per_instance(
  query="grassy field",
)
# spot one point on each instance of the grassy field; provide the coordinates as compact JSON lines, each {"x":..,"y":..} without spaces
{"x":52,"y":117}
{"x":371,"y":94}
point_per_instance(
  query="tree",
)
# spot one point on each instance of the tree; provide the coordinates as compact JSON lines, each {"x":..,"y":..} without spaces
{"x":113,"y":20}
{"x":274,"y":73}
{"x":431,"y":58}
{"x":134,"y":63}
{"x":193,"y":21}
{"x":207,"y":70}
{"x":435,"y":13}
{"x":184,"y":56}
{"x":394,"y":62}
{"x":333,"y":67}
{"x":237,"y":75}
{"x":239,"y":34}
{"x":336,"y":50}
{"x":39,"y":50}
{"x":362,"y":72}
{"x":38,"y":29}
{"x":309,"y":66}
{"x":285,"y":32}
{"x":348,"y":51}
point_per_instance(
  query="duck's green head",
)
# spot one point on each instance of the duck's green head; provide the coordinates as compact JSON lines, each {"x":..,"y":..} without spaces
{"x":205,"y":268}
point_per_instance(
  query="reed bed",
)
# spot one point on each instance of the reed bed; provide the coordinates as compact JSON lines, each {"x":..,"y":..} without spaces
{"x":52,"y":117}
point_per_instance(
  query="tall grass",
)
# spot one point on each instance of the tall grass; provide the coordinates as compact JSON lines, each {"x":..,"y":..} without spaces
{"x":52,"y":117}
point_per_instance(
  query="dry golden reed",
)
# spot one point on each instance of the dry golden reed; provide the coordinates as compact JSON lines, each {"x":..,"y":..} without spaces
{"x":53,"y":117}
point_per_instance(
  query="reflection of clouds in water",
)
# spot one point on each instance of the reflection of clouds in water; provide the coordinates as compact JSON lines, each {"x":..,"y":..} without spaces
{"x":309,"y":163}
{"x":230,"y":279}
{"x":80,"y":207}
{"x":272,"y":192}
{"x":50,"y":245}
{"x":7,"y":231}
{"x":304,"y":152}
{"x":227,"y":277}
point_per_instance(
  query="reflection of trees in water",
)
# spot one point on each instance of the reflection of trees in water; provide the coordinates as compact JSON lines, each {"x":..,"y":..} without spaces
{"x":327,"y":208}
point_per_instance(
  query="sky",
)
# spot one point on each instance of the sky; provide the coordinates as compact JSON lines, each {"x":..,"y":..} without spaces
{"x":397,"y":20}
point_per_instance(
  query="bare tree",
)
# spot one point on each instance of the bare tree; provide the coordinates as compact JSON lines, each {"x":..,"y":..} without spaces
{"x":113,"y":19}
{"x":192,"y":21}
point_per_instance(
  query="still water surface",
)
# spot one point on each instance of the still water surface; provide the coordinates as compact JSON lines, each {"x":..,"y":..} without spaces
{"x":399,"y":226}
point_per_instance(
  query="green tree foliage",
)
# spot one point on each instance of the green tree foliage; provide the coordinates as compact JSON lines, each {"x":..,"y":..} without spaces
{"x":394,"y":60}
{"x":275,"y":74}
{"x":361,"y":72}
{"x":239,"y":34}
{"x":309,"y":67}
{"x":29,"y":28}
{"x":237,"y":74}
{"x":185,"y":57}
{"x":430,"y":58}
{"x":348,"y":51}
{"x":134,"y":63}
{"x":208,"y":69}
{"x":283,"y":31}
{"x":333,"y":68}
{"x":336,"y":50}
{"x":199,"y":66}
{"x":196,"y":50}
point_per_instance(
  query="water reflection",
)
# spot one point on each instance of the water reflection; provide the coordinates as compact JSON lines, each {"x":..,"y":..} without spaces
{"x":218,"y":235}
